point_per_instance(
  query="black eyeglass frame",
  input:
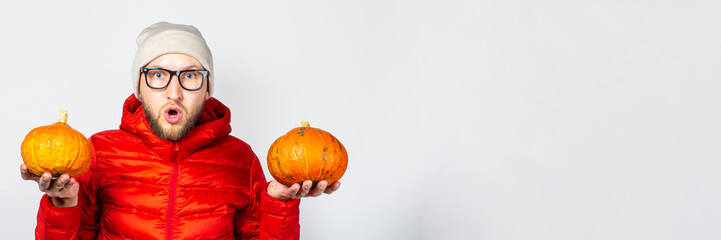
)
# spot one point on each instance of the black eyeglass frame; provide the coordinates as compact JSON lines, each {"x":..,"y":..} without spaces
{"x":205,"y":74}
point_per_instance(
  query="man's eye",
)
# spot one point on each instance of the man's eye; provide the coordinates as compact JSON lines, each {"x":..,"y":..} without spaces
{"x":190,"y":75}
{"x":158,"y":75}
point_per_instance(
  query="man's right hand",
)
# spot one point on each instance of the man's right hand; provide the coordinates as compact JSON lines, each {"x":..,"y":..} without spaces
{"x":63,"y":191}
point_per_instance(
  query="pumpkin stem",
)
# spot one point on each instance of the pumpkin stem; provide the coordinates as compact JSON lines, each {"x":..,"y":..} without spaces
{"x":63,"y":116}
{"x":305,"y":123}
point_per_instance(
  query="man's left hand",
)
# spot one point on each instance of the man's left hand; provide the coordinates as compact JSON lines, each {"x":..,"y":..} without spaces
{"x":295,"y":191}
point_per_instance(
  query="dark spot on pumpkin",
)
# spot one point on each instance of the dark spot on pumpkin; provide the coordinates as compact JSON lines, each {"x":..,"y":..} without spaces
{"x":301,"y":131}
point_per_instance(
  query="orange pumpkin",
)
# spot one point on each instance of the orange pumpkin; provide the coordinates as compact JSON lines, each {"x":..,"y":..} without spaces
{"x":307,"y":153}
{"x":57,"y":149}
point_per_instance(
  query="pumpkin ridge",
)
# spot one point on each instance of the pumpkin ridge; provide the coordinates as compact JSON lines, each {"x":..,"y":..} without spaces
{"x":54,"y":143}
{"x":79,"y":156}
{"x":68,"y":152}
{"x":323,"y":157}
{"x":285,"y":175}
{"x":305,"y":156}
{"x":76,"y":159}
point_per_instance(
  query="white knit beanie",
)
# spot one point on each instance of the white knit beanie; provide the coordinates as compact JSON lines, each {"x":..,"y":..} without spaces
{"x":163,"y":38}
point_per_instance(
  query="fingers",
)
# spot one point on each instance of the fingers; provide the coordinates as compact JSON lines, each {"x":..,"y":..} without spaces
{"x":57,"y":187}
{"x":64,"y":187}
{"x":322,"y":187}
{"x":69,"y":191}
{"x":297,"y":190}
{"x":307,"y":184}
{"x":60,"y":183}
{"x":318,"y":189}
{"x":26,"y":174}
{"x":293,"y":190}
{"x":332,"y":188}
{"x":44,"y":181}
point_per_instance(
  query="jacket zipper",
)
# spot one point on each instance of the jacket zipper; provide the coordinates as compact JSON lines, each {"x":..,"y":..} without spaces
{"x":173,"y":186}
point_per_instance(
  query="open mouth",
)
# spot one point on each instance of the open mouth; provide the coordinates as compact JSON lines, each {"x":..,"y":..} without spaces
{"x":173,"y":114}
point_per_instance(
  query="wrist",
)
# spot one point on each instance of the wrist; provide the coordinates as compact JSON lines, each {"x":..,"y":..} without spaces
{"x":64,"y":202}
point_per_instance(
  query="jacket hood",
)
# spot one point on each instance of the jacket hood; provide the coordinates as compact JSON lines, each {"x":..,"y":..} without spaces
{"x":213,"y":124}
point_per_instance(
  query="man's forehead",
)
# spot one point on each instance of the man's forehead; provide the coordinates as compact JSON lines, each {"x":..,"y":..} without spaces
{"x":175,"y":61}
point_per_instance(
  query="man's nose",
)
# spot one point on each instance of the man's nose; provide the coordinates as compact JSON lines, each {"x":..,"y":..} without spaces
{"x":174,"y":91}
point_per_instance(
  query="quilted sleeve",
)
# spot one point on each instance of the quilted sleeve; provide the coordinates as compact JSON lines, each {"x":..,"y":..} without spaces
{"x":79,"y":222}
{"x":267,"y":217}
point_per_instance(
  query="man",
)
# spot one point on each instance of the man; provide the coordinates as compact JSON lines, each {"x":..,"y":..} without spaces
{"x":171,"y":171}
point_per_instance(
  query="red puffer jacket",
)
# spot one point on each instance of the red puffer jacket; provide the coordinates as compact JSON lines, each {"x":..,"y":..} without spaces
{"x":208,"y":185}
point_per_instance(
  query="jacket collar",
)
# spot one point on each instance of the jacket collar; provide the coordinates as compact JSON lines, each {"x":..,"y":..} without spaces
{"x":213,"y":124}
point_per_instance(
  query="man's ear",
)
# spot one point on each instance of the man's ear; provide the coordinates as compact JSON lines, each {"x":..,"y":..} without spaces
{"x":137,"y":87}
{"x":207,"y":90}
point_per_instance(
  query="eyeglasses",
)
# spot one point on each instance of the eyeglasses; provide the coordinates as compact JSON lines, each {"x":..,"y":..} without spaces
{"x":159,"y":78}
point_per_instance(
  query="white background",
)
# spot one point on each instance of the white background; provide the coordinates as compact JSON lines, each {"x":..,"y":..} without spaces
{"x":462,"y":119}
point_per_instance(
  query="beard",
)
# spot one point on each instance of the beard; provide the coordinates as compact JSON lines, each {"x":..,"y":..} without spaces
{"x":171,"y":134}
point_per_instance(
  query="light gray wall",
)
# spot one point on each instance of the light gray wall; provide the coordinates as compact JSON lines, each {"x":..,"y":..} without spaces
{"x":462,"y":119}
